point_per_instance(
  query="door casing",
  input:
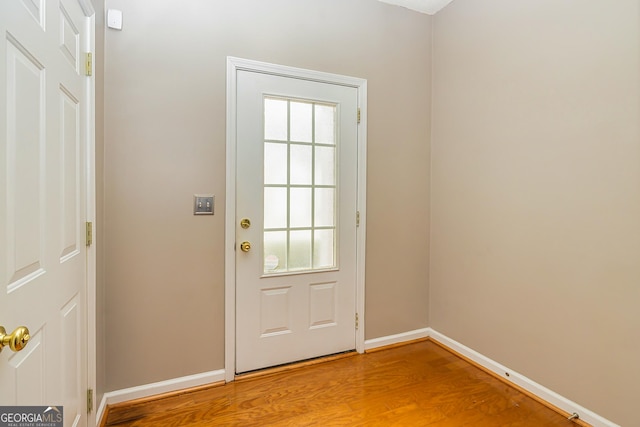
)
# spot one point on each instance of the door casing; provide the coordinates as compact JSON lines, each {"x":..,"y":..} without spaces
{"x":233,"y":66}
{"x":93,"y":417}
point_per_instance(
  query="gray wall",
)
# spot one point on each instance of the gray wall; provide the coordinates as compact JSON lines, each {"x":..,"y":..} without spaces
{"x":165,"y":82}
{"x":535,"y":236}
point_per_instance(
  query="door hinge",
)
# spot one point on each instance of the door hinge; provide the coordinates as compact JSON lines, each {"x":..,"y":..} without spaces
{"x":358,"y":115}
{"x":89,"y":400}
{"x":357,"y":218}
{"x":89,"y":233}
{"x":88,"y":70}
{"x":357,"y":321}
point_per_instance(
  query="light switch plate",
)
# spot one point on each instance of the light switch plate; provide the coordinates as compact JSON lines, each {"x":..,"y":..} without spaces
{"x":203,"y":204}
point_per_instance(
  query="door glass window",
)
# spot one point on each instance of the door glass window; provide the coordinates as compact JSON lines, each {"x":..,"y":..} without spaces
{"x":300,"y":203}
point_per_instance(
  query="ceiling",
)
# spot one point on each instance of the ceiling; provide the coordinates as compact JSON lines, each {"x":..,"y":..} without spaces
{"x":429,"y":7}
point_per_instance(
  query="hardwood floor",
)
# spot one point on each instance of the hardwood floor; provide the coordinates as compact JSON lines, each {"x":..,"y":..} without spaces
{"x":419,"y":384}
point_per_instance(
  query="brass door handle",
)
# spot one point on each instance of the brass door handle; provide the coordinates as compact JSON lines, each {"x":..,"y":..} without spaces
{"x":245,"y":246}
{"x":17,"y":340}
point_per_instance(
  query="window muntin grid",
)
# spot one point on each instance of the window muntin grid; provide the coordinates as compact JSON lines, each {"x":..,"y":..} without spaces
{"x":300,"y":185}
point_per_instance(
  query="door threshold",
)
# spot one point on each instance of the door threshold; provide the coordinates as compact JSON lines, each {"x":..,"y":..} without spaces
{"x":258,"y":373}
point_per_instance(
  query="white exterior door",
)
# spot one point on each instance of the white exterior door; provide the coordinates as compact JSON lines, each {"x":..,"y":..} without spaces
{"x":43,"y":208}
{"x":297,"y":174}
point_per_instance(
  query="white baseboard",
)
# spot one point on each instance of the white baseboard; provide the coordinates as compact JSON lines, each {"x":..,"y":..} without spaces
{"x":153,"y":389}
{"x":520,"y":380}
{"x":514,"y":377}
{"x":397,"y":338}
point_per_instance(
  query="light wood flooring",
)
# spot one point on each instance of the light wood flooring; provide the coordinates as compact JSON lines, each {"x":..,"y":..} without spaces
{"x":419,"y":384}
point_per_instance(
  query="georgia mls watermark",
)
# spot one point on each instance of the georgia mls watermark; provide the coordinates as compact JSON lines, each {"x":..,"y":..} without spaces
{"x":31,"y":416}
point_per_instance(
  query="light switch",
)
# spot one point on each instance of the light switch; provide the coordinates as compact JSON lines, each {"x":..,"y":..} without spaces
{"x":203,"y":204}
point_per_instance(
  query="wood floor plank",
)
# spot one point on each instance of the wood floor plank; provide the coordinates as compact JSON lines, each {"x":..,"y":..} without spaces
{"x":419,"y":384}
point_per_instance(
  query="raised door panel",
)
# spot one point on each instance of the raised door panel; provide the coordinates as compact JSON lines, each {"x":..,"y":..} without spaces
{"x":69,"y":175}
{"x":28,"y":372}
{"x":25,"y":174}
{"x":71,"y":339}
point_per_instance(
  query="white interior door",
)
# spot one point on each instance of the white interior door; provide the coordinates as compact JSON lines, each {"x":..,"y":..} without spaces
{"x":43,"y":257}
{"x":297,"y":173}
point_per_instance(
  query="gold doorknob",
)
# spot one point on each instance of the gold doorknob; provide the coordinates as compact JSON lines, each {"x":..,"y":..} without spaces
{"x":245,"y":246}
{"x":17,"y":340}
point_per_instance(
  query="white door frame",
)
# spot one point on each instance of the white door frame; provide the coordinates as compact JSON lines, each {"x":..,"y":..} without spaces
{"x":89,"y":45}
{"x":233,"y":66}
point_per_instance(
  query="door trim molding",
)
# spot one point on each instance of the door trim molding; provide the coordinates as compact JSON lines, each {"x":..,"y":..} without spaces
{"x":233,"y":66}
{"x":90,"y":177}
